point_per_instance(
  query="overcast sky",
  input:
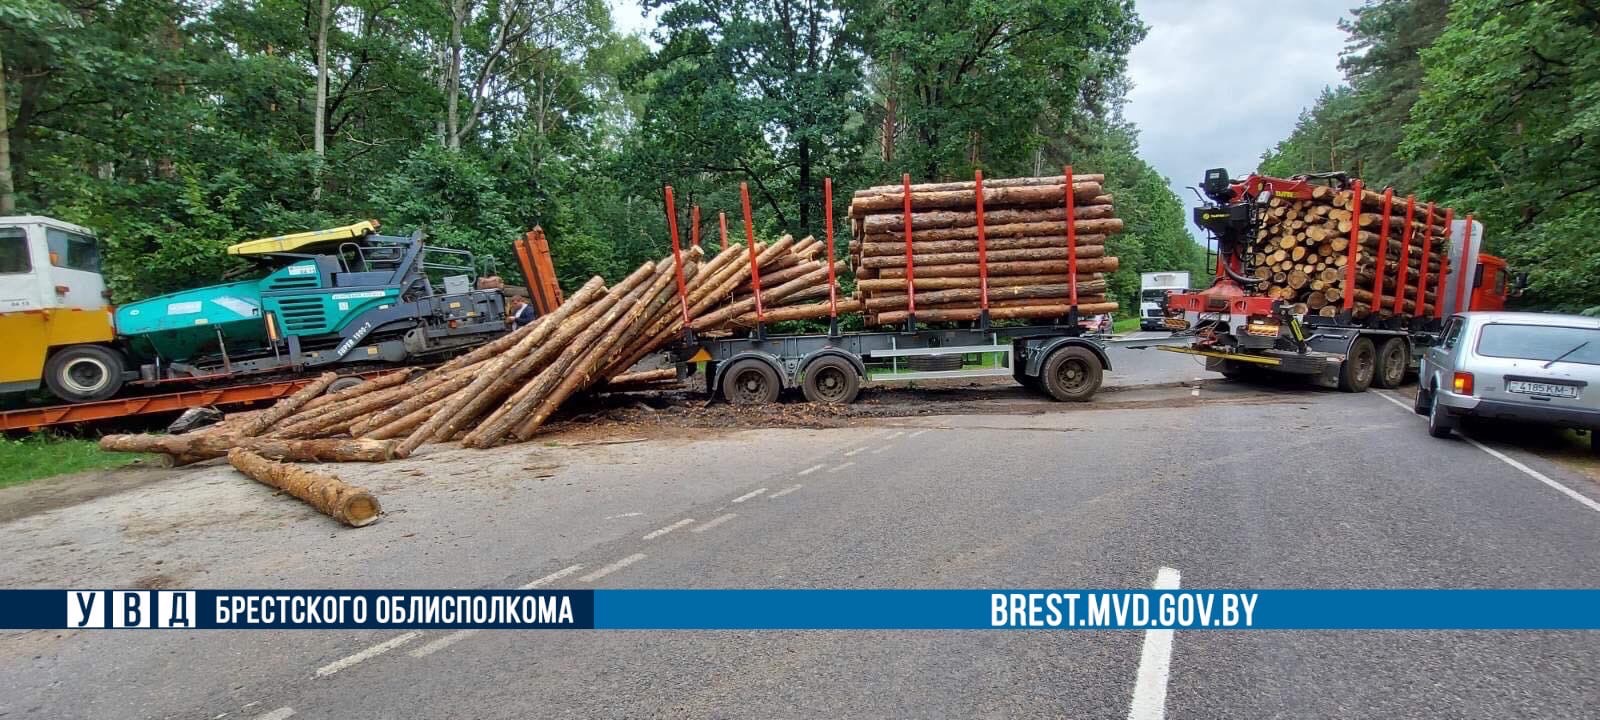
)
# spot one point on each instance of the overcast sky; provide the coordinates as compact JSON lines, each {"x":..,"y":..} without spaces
{"x":1216,"y":82}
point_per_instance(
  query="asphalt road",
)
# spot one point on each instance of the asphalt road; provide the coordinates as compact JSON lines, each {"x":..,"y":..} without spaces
{"x":1230,"y":486}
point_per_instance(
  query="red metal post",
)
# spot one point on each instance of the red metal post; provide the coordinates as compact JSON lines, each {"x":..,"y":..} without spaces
{"x":1072,"y":240}
{"x":911,"y":278}
{"x":750,"y":242}
{"x":694,"y":226}
{"x":1422,"y":272}
{"x":1466,"y":268}
{"x":827,"y":212}
{"x":1405,"y":258}
{"x":1383,"y":250}
{"x":1444,"y":264}
{"x":677,"y":255}
{"x":722,"y":223}
{"x":983,"y":243}
{"x":1353,"y":250}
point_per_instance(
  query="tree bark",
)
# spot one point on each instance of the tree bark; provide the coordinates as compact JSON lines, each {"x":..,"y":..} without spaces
{"x":287,"y":406}
{"x":1048,"y":195}
{"x":218,"y":444}
{"x":996,"y":294}
{"x":1091,"y":252}
{"x":319,"y":123}
{"x":8,"y":186}
{"x":1041,"y":267}
{"x":995,"y":313}
{"x":348,"y":504}
{"x":1052,"y":240}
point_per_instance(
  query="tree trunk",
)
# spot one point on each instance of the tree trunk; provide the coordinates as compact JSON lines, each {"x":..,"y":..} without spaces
{"x":217,"y":444}
{"x":1048,"y":195}
{"x":452,"y":117}
{"x":319,"y":123}
{"x":348,"y":504}
{"x":8,"y":187}
{"x":1089,"y":252}
{"x":287,"y":406}
{"x":995,"y":313}
{"x":895,"y":223}
{"x":1039,"y":267}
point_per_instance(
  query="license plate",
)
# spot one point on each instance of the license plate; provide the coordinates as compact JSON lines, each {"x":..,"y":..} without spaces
{"x":1539,"y":388}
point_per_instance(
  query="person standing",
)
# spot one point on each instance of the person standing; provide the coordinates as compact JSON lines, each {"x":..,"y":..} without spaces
{"x":521,"y":312}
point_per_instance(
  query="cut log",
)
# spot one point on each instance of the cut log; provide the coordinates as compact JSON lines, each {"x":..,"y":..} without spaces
{"x":348,"y":504}
{"x":1088,"y":252}
{"x":895,"y":223}
{"x":936,"y":297}
{"x":217,"y":445}
{"x":950,"y":283}
{"x":1048,"y":195}
{"x":970,"y":185}
{"x":287,"y":406}
{"x":381,"y":382}
{"x":1009,"y":313}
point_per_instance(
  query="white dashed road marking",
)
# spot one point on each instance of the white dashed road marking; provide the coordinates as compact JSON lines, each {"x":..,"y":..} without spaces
{"x":713,"y":522}
{"x":895,"y":434}
{"x":808,"y":471}
{"x":279,"y":714}
{"x":785,"y":491}
{"x":552,"y":577}
{"x":748,"y":495}
{"x":653,"y":534}
{"x":1155,"y":662}
{"x":632,"y":514}
{"x":366,"y":654}
{"x":841,"y":467}
{"x":919,"y":432}
{"x":1585,"y":500}
{"x":613,"y":567}
{"x":881,"y":449}
{"x":854,"y":452}
{"x":442,"y":643}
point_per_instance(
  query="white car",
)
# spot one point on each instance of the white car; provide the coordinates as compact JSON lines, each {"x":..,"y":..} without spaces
{"x":1528,"y":367}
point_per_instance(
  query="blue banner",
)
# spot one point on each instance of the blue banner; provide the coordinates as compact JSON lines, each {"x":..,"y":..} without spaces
{"x":804,"y":609}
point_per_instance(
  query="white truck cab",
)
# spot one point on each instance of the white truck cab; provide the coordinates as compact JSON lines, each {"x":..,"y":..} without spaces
{"x":54,"y":314}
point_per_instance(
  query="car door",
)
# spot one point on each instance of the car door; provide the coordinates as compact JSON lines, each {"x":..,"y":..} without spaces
{"x":1439,"y":361}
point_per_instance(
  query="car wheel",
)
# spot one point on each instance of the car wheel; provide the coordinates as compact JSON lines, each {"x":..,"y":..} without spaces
{"x":1440,"y":424}
{"x":1393,"y":357}
{"x":1355,"y":375}
{"x":1071,"y":373}
{"x":84,"y":373}
{"x":751,"y":382}
{"x":1422,"y":405}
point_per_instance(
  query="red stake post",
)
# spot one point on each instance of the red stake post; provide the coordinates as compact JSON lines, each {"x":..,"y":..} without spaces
{"x":1422,"y":274}
{"x":750,"y":242}
{"x":1465,"y":269}
{"x":1353,"y":249}
{"x":694,"y":226}
{"x":1383,"y":251}
{"x":1072,"y":245}
{"x":983,"y":244}
{"x":827,"y":212}
{"x":911,"y":279}
{"x":1405,"y":258}
{"x":722,"y":223}
{"x":677,"y":255}
{"x":1444,"y":263}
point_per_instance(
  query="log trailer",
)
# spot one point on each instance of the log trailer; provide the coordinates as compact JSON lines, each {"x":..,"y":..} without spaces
{"x":347,"y":299}
{"x":1062,"y":359}
{"x":1240,"y":329}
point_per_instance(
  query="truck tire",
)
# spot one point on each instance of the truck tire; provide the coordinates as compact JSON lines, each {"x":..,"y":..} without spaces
{"x":1358,"y":368}
{"x":84,"y":373}
{"x":1071,"y":374}
{"x":831,"y":379}
{"x":1394,"y":359}
{"x":344,"y":383}
{"x":933,"y":363}
{"x":751,"y":382}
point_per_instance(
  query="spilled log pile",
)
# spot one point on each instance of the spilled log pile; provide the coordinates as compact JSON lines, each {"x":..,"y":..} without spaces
{"x":509,"y":388}
{"x":1302,"y":253}
{"x":1026,"y":254}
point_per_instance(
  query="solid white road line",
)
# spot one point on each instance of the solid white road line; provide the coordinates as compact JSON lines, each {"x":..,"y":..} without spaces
{"x":748,"y":495}
{"x":279,"y":714}
{"x":855,"y":452}
{"x":785,"y":491}
{"x":552,"y":577}
{"x":713,"y":522}
{"x":442,"y":643}
{"x":1587,"y":501}
{"x":1155,"y":661}
{"x":881,"y":449}
{"x":841,"y":467}
{"x":919,"y":432}
{"x":613,"y":567}
{"x":653,"y":534}
{"x":366,"y":654}
{"x":808,"y":471}
{"x":895,"y":434}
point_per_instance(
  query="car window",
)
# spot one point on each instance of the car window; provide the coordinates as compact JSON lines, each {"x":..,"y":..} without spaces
{"x":1540,"y":342}
{"x":72,"y":251}
{"x":14,"y":251}
{"x":1452,"y":331}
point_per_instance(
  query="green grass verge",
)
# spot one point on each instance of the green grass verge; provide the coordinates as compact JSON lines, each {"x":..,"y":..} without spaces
{"x":39,"y":456}
{"x":1125,"y":325}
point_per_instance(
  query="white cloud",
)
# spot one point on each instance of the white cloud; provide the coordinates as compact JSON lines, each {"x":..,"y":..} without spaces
{"x":1218,"y":82}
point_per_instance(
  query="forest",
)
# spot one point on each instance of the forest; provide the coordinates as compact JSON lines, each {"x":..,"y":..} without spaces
{"x":1491,"y":106}
{"x":174,"y":128}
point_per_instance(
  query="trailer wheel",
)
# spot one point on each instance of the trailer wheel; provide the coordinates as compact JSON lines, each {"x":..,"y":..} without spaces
{"x":344,"y":383}
{"x":1071,"y":373}
{"x":831,"y":379}
{"x":84,"y":373}
{"x":1393,"y":359}
{"x":1355,"y":374}
{"x":751,"y":382}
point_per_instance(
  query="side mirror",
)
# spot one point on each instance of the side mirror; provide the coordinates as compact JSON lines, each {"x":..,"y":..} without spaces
{"x":1519,"y":283}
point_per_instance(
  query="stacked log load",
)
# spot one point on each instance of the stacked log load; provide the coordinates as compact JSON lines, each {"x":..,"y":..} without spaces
{"x":1301,"y":254}
{"x":508,"y":389}
{"x":1025,"y":230}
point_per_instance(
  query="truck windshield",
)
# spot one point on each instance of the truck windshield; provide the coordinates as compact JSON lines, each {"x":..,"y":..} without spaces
{"x":1154,"y":295}
{"x":1538,"y":342}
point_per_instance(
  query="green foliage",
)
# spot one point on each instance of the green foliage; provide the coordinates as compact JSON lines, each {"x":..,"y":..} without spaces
{"x":1490,"y":108}
{"x":40,"y":456}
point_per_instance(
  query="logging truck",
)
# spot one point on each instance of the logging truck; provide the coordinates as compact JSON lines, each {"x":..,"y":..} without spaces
{"x":1319,"y":277}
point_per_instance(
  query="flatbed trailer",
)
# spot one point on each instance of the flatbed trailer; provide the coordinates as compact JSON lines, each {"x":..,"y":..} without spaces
{"x":1062,"y":361}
